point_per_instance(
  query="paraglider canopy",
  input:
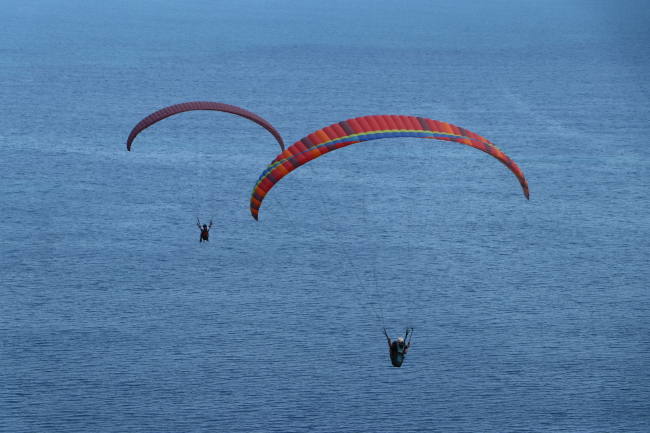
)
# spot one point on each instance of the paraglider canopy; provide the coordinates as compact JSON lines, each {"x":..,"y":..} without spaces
{"x":200,"y":105}
{"x":367,"y":128}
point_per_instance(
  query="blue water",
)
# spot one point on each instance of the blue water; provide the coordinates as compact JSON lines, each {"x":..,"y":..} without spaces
{"x":528,"y":315}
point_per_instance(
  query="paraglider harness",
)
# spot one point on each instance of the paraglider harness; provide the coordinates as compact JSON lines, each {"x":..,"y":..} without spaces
{"x":396,"y":352}
{"x":205,"y":230}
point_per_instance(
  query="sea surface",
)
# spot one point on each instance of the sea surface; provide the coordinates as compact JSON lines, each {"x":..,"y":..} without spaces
{"x":527,"y":316}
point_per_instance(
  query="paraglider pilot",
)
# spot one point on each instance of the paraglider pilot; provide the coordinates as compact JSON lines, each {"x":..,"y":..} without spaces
{"x":398,"y":349}
{"x":205,"y":231}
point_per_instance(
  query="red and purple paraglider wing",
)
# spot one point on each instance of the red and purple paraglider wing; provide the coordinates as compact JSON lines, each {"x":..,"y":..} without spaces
{"x":200,"y":105}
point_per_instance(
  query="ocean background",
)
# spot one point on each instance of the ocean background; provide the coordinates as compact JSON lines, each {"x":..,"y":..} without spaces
{"x":528,"y":316}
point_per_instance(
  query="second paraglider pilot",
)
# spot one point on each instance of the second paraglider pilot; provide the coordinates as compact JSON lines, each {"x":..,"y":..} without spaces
{"x":205,"y":231}
{"x":398,"y":349}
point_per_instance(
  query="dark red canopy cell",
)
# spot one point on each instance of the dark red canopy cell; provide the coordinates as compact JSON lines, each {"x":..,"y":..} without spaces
{"x":200,"y":105}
